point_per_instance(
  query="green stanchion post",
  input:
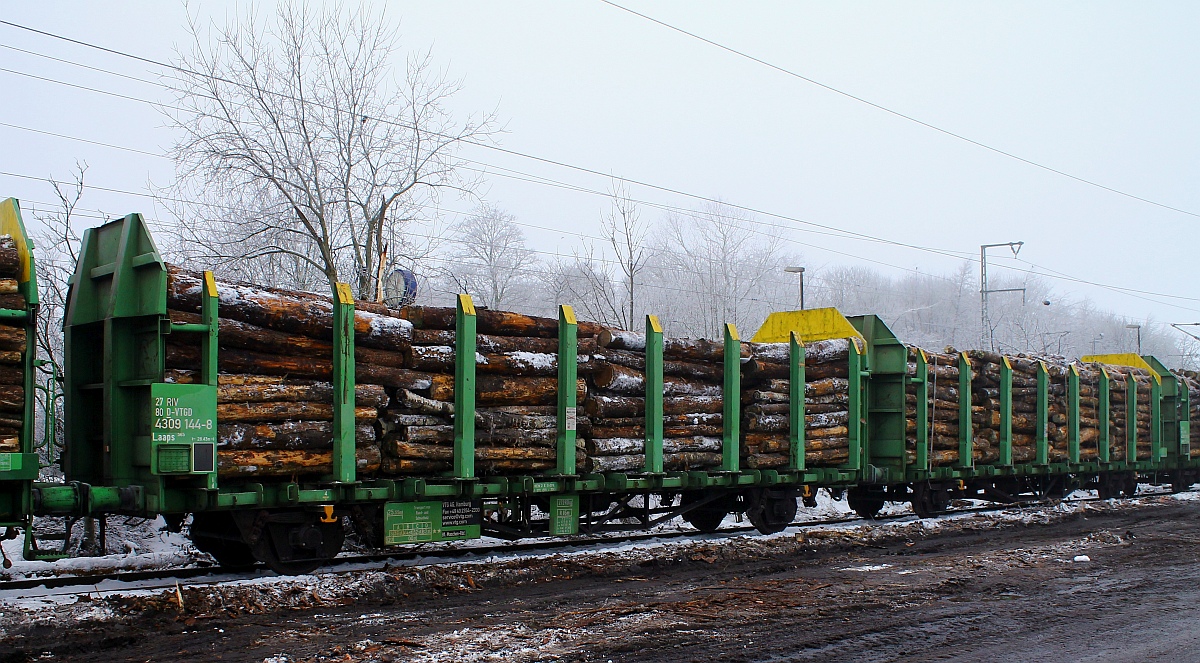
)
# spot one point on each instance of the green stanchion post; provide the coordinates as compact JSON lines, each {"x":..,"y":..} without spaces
{"x":1104,"y":414}
{"x":1073,"y":414}
{"x":1006,"y":411}
{"x":343,"y":385}
{"x":966,"y":444}
{"x":1157,"y":450}
{"x":1043,"y":415}
{"x":1185,"y":421}
{"x":568,"y":347}
{"x":464,"y":388}
{"x":654,"y":395}
{"x":857,"y":405}
{"x":731,"y":395}
{"x":1131,"y":419}
{"x":924,"y":440}
{"x":796,"y":403}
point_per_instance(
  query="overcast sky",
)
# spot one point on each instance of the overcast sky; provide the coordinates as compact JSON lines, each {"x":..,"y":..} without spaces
{"x":1107,"y":92}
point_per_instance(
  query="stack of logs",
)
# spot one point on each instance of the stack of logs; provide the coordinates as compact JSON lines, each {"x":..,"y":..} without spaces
{"x":12,"y":351}
{"x":985,"y":408}
{"x":1190,"y":380}
{"x":693,"y":376}
{"x":516,"y":391}
{"x":943,"y":402}
{"x":275,"y":399}
{"x":1118,"y":411}
{"x":766,"y":393}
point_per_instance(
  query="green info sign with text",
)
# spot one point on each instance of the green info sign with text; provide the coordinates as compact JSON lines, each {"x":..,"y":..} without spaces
{"x":422,"y":522}
{"x":184,"y":428}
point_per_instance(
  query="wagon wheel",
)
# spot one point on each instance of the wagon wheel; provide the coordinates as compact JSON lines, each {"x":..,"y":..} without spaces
{"x":865,"y":502}
{"x":771,"y":513}
{"x":706,"y":518}
{"x":217,"y":535}
{"x":927,"y":501}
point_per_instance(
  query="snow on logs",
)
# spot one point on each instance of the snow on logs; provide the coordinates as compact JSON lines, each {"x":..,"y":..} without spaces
{"x":12,"y":351}
{"x":766,"y":398}
{"x":944,"y":398}
{"x":275,"y":400}
{"x":693,"y":373}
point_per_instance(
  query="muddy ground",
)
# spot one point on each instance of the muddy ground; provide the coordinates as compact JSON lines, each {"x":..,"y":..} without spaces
{"x":1100,"y":582}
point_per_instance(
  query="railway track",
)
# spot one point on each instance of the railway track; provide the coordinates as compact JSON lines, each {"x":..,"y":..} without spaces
{"x":103,"y":583}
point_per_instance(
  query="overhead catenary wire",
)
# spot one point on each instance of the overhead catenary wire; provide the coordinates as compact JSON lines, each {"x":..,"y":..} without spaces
{"x":489,"y":146}
{"x":835,"y":232}
{"x":904,"y":116}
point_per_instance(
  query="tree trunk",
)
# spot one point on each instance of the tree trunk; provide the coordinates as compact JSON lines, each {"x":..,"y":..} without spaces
{"x":237,"y":334}
{"x":245,"y":464}
{"x":505,"y":390}
{"x":286,"y":311}
{"x":365,"y":395}
{"x":289,"y":435}
{"x":232,"y":360}
{"x":287,"y":411}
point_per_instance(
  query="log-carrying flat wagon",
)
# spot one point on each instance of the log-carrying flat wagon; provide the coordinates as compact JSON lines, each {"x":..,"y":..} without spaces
{"x":268,"y":422}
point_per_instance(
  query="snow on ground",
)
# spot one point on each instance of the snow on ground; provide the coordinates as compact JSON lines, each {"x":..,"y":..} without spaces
{"x":134,"y":545}
{"x":349,"y":582}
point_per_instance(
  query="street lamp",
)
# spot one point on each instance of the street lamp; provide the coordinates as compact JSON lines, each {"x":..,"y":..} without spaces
{"x":798,"y":271}
{"x":1139,"y":336}
{"x":1094,"y":342}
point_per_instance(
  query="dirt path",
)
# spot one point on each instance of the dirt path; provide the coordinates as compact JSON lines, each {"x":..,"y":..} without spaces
{"x":971,"y":589}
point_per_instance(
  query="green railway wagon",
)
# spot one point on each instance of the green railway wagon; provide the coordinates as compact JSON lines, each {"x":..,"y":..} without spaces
{"x":139,"y":445}
{"x":19,"y":466}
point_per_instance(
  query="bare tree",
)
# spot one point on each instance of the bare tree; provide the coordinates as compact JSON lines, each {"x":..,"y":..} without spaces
{"x":714,"y":266}
{"x":303,"y":121}
{"x":57,"y":242}
{"x":588,"y":282}
{"x":626,"y":234}
{"x":491,"y":259}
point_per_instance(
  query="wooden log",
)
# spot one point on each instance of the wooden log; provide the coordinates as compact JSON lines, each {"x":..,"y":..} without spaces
{"x":779,"y":422}
{"x":188,"y":376}
{"x":10,"y":258}
{"x":440,"y":359}
{"x":444,"y":433}
{"x":622,"y":380}
{"x":689,"y":419}
{"x":13,"y":301}
{"x":237,"y":334}
{"x":500,"y":344}
{"x":234,"y":360}
{"x":636,"y":445}
{"x":12,"y":399}
{"x":812,"y":388}
{"x":393,"y":466}
{"x":401,"y":449}
{"x":286,"y":311}
{"x":365,"y":395}
{"x":12,"y":338}
{"x":785,"y":408}
{"x":694,"y":370}
{"x":781,"y":444}
{"x":254,"y":464}
{"x":285,"y":411}
{"x":674,"y":461}
{"x":817,"y":352}
{"x":690,"y":349}
{"x":639,"y":430}
{"x":308,"y":435}
{"x":759,"y":370}
{"x":505,"y":390}
{"x":610,"y":406}
{"x":499,"y":323}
